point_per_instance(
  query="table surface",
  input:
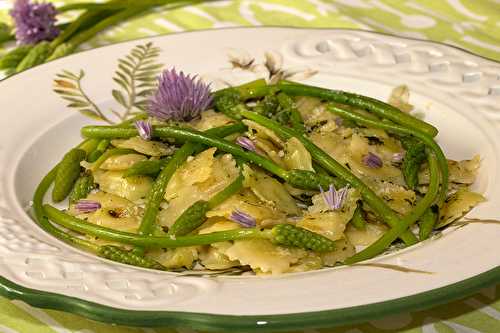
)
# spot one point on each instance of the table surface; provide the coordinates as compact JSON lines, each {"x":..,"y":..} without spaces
{"x":470,"y":24}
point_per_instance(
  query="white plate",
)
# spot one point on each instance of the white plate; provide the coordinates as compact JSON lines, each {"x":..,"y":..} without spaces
{"x":458,"y":92}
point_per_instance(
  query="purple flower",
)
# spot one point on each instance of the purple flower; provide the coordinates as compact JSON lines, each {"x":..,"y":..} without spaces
{"x":246,"y":143}
{"x":372,"y":161}
{"x":398,"y":157}
{"x":333,"y":198}
{"x":87,"y":206}
{"x":245,"y":220}
{"x":179,"y":97}
{"x":339,"y":121}
{"x":144,"y":128}
{"x":34,"y":21}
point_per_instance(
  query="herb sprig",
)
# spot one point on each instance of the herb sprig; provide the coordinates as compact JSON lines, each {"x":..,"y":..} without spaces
{"x":136,"y":77}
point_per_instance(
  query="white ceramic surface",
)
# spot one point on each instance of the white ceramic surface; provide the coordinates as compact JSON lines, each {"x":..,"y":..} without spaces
{"x":457,"y":91}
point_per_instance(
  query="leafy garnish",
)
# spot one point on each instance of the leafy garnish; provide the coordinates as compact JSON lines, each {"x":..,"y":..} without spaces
{"x":136,"y":76}
{"x":68,"y":86}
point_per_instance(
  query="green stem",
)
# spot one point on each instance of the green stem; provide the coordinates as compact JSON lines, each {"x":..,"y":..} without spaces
{"x":72,"y":28}
{"x":195,"y":215}
{"x":358,"y":220}
{"x":44,"y":223}
{"x":188,"y":135}
{"x":106,"y":23}
{"x":123,"y":4}
{"x":246,"y":91}
{"x":227,"y":192}
{"x":377,"y":107}
{"x":331,"y":165}
{"x":280,"y":234}
{"x":396,"y":231}
{"x":157,"y":192}
{"x":109,"y":234}
{"x":428,"y":222}
{"x":428,"y":141}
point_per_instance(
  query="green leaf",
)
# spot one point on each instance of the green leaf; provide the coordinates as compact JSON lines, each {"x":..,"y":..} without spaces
{"x":91,"y":114}
{"x":75,"y":100}
{"x":66,"y":92}
{"x":137,"y":54}
{"x":131,"y":59}
{"x":151,"y":74}
{"x":119,"y":97}
{"x":117,"y":114}
{"x":78,"y":105}
{"x":125,"y":70}
{"x":123,"y":78}
{"x":151,"y":85}
{"x":143,"y":104}
{"x":126,"y":63}
{"x":122,"y":84}
{"x":67,"y":75}
{"x":152,"y":68}
{"x":145,"y":93}
{"x":145,"y":78}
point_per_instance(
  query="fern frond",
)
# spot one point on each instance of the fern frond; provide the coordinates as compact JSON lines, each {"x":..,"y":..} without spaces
{"x":136,"y":76}
{"x":68,"y":86}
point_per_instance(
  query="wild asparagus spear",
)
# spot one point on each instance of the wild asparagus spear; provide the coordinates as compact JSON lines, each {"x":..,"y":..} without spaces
{"x":375,"y":106}
{"x":326,"y":161}
{"x":195,"y":215}
{"x":397,"y":230}
{"x":109,"y":252}
{"x":297,"y":178}
{"x":281,"y":234}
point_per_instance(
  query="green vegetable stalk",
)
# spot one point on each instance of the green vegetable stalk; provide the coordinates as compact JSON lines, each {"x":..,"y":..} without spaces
{"x":82,"y":188}
{"x":397,"y":230}
{"x":108,"y":251}
{"x":413,"y":159}
{"x":358,"y":220}
{"x":281,"y":234}
{"x":11,"y":59}
{"x":331,"y":165}
{"x":288,"y":105}
{"x":230,"y":101}
{"x":35,"y":56}
{"x":157,"y":192}
{"x":147,"y":168}
{"x":297,"y":178}
{"x":101,"y":147}
{"x":403,"y":131}
{"x":384,"y":110}
{"x":195,"y":215}
{"x":67,"y":174}
{"x":118,"y":254}
{"x":428,"y":222}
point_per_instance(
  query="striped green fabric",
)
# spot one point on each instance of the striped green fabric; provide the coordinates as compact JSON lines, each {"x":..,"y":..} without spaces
{"x":471,"y":24}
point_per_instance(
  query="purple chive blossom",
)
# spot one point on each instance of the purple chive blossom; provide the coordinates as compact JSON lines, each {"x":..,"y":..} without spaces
{"x":333,"y":198}
{"x":179,"y":97}
{"x":87,"y":206}
{"x":398,"y":157}
{"x":144,"y":128}
{"x":34,"y":22}
{"x":246,"y":143}
{"x":339,"y":121}
{"x":372,"y":161}
{"x":245,"y":220}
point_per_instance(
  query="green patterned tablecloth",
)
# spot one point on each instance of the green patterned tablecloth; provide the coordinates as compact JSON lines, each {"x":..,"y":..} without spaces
{"x":471,"y":24}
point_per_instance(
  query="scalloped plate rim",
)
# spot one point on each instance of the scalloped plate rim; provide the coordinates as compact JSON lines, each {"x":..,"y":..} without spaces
{"x":213,"y":322}
{"x":206,"y":321}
